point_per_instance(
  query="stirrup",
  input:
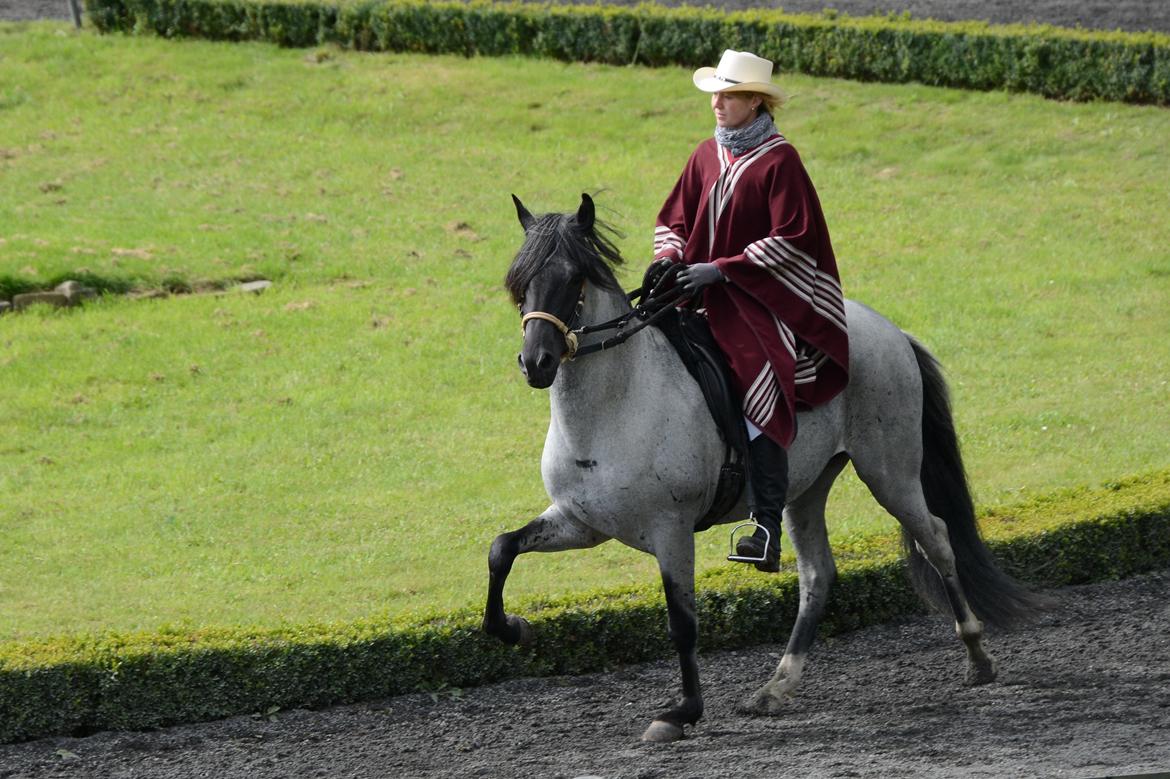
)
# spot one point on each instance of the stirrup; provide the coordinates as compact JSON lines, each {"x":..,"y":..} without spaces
{"x":751,"y":522}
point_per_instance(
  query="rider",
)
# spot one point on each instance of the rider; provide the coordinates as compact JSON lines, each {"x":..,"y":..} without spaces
{"x":746,"y":222}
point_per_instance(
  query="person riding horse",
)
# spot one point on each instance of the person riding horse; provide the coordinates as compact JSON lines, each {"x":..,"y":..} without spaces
{"x":746,"y":228}
{"x":747,"y":225}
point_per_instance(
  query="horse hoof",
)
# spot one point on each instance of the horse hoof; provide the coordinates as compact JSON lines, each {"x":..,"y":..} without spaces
{"x":661,"y":732}
{"x":763,"y":703}
{"x":522,"y":630}
{"x":981,"y":672}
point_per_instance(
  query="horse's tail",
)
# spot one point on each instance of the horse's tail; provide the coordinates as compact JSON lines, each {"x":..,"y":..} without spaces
{"x":994,"y":596}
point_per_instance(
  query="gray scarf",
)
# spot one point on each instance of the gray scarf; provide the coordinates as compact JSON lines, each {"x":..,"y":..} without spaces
{"x":740,"y":139}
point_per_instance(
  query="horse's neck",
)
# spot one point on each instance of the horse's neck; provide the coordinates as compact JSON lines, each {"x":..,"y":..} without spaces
{"x":597,"y":382}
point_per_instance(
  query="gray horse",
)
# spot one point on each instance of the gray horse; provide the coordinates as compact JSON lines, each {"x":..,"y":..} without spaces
{"x":633,"y":454}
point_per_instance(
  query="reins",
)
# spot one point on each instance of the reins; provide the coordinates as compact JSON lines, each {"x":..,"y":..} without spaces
{"x":652,"y":307}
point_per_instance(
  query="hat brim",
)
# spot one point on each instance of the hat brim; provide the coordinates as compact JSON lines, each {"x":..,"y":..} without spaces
{"x":705,"y":80}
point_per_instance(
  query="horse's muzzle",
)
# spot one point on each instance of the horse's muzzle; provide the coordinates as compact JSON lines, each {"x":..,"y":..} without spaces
{"x":540,"y":368}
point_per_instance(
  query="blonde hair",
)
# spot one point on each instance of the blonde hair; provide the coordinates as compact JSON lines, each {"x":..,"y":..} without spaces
{"x":769,"y":103}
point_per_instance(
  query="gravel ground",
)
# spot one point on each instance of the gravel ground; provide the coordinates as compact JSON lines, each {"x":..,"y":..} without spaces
{"x":1117,"y":14}
{"x":1085,"y":693}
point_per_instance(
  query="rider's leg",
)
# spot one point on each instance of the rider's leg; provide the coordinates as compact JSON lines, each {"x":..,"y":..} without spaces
{"x":767,"y":491}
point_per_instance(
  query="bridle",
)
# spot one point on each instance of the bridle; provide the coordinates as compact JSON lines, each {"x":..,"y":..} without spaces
{"x":658,"y":294}
{"x":570,"y":335}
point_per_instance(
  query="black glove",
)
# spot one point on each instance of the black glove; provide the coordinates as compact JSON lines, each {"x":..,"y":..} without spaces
{"x":694,"y":278}
{"x":654,"y":273}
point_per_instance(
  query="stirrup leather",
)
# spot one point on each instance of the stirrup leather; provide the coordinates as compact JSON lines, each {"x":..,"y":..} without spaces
{"x":751,"y":522}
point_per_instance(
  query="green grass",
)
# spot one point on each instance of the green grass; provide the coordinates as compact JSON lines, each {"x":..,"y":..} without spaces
{"x":348,"y":443}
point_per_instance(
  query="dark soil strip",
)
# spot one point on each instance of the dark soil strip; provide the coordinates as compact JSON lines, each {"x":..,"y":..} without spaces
{"x":1134,"y":15}
{"x":1086,"y":693}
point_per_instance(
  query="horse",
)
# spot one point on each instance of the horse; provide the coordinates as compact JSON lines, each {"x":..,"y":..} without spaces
{"x":633,"y":454}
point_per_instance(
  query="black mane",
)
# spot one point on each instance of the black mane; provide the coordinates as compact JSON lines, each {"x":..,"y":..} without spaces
{"x":588,"y":249}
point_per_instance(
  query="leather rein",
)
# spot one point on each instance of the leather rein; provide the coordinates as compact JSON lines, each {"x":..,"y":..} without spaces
{"x":654,"y":304}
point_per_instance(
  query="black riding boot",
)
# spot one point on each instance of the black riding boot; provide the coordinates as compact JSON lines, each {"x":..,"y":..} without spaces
{"x":767,"y":491}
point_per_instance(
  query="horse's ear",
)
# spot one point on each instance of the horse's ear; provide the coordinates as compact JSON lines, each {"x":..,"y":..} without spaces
{"x":525,"y":216}
{"x":586,"y":213}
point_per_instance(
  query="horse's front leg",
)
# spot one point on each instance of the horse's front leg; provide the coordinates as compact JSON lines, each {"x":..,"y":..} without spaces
{"x":552,"y":531}
{"x":676,"y":562}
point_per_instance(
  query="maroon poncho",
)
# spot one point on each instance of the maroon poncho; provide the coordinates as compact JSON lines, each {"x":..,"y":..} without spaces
{"x":781,"y":318}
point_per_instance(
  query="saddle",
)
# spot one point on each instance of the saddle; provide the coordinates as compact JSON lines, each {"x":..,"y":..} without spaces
{"x":691,"y":337}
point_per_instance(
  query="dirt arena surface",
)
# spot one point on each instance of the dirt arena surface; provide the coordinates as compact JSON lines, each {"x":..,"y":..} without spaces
{"x":1116,"y":15}
{"x":1085,"y":693}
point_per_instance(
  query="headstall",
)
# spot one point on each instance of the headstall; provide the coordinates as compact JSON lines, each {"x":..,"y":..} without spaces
{"x":658,"y":296}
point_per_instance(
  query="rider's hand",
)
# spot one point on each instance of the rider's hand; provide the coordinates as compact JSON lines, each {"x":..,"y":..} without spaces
{"x":694,"y":278}
{"x":654,"y":273}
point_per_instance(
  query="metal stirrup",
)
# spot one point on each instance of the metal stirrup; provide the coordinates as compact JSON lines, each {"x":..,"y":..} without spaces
{"x":751,"y":522}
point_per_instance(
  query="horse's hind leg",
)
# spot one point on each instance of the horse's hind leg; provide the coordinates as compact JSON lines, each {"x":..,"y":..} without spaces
{"x":902,"y":496}
{"x":552,"y":531}
{"x":676,"y":563}
{"x":804,"y":521}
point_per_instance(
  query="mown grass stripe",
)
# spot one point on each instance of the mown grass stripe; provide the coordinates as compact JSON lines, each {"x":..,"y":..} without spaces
{"x":83,"y":684}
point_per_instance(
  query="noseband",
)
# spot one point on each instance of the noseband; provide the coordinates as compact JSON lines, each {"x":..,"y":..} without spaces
{"x":570,"y":336}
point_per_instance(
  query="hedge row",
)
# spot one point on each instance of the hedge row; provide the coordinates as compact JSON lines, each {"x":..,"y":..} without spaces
{"x":1055,"y":62}
{"x":83,"y":684}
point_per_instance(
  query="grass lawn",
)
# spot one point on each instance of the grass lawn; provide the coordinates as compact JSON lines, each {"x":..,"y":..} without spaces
{"x":348,"y":443}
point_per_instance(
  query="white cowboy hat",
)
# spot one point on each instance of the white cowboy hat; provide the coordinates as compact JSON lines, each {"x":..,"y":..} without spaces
{"x":738,"y":71}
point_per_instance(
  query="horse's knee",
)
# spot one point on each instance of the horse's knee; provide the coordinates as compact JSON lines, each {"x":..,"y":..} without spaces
{"x":503,"y":552}
{"x":684,"y":632}
{"x":817,"y":583}
{"x":682,"y":625}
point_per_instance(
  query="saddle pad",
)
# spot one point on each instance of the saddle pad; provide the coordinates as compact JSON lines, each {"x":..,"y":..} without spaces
{"x":690,"y":336}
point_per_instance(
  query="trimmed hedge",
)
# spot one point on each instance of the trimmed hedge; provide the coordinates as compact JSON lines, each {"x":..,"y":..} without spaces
{"x":82,"y":684}
{"x":1050,"y":61}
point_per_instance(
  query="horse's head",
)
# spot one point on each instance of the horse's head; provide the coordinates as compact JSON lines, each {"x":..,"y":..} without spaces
{"x":560,"y":255}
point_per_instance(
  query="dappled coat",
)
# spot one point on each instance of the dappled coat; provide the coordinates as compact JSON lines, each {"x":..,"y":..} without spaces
{"x":780,"y":319}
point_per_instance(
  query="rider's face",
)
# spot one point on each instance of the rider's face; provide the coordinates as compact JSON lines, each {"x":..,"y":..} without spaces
{"x":734,"y":109}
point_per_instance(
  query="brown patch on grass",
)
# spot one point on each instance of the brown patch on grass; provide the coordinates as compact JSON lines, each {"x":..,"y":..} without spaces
{"x":142,"y":254}
{"x":463,"y":231}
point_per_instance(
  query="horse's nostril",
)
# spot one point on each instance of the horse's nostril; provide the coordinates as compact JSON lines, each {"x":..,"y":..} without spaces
{"x":546,"y":362}
{"x":520,"y":359}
